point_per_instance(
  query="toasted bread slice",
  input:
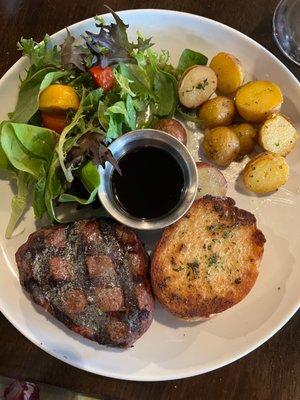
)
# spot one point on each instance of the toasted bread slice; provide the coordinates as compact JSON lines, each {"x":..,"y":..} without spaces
{"x":208,"y":260}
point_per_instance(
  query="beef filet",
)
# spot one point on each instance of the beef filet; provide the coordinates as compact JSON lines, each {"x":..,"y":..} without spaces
{"x":92,"y":275}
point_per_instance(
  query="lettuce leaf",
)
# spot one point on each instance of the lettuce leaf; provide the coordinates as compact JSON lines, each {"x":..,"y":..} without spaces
{"x":126,"y":110}
{"x":91,"y":101}
{"x":56,"y":184}
{"x":73,"y":131}
{"x":187,"y":115}
{"x":111,"y":44}
{"x":124,"y":84}
{"x":73,"y":55}
{"x":41,"y":54}
{"x":140,"y":81}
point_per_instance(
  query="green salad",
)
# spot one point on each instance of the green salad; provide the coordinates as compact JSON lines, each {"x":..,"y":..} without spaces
{"x":76,"y":98}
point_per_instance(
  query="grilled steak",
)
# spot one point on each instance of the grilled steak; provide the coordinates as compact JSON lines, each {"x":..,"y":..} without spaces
{"x":92,"y":276}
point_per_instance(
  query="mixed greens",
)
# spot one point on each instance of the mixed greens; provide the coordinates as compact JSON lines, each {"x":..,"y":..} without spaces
{"x":120,"y":86}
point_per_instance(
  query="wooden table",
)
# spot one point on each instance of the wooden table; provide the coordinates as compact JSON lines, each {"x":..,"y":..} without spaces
{"x":272,"y":371}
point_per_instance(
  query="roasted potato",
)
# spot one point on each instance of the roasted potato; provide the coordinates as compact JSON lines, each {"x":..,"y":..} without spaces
{"x":197,"y":84}
{"x":256,"y":100}
{"x":221,"y":145}
{"x":229,"y":72}
{"x":277,"y":135}
{"x":172,"y":127}
{"x":210,"y":181}
{"x":246,"y":134}
{"x":218,"y":111}
{"x":265,"y":173}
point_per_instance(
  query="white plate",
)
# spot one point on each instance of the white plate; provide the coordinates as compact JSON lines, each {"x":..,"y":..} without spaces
{"x":172,"y":349}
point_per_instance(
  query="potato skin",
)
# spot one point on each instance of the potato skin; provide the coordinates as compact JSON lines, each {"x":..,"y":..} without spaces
{"x":218,"y":111}
{"x":173,"y":128}
{"x":229,"y":72}
{"x":210,"y":180}
{"x":221,"y":145}
{"x":246,"y":134}
{"x":256,"y":100}
{"x":277,"y":135}
{"x":265,"y":173}
{"x":196,"y":85}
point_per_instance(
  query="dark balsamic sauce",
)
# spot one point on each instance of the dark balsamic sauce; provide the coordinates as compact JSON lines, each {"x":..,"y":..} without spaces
{"x":151,"y":184}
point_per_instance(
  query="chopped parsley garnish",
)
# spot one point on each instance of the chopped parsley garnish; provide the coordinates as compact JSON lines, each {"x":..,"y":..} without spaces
{"x":177,"y":268}
{"x":201,"y":86}
{"x":193,"y":269}
{"x":213,"y":260}
{"x":226,"y":234}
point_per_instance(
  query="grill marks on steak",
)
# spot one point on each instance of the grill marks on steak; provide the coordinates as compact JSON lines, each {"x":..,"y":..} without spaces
{"x":92,"y":276}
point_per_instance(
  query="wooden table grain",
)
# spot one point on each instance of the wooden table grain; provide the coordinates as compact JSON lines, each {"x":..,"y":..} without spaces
{"x":272,"y":372}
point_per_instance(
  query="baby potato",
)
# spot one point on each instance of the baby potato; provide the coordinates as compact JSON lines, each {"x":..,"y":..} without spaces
{"x":196,"y":85}
{"x":172,"y":127}
{"x":218,"y":111}
{"x":246,"y":134}
{"x":221,"y":145}
{"x":277,"y":135}
{"x":258,"y":99}
{"x":229,"y":72}
{"x":265,"y":173}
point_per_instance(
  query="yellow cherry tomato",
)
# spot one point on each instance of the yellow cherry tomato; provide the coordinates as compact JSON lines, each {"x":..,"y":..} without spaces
{"x":58,"y":98}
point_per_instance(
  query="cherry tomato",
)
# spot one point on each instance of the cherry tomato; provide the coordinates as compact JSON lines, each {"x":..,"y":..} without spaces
{"x":54,"y":121}
{"x":103,"y":77}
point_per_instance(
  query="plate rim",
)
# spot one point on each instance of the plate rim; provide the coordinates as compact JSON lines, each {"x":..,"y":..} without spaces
{"x":191,"y":371}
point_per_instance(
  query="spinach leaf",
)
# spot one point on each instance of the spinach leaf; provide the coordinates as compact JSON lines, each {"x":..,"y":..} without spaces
{"x":37,"y":140}
{"x":89,"y":176}
{"x":70,"y":198}
{"x":5,"y":165}
{"x":39,"y":206}
{"x":28,"y":101}
{"x":27,"y":144}
{"x":19,"y":201}
{"x":29,"y":149}
{"x":164,"y":88}
{"x":189,"y":58}
{"x":4,"y":162}
{"x":165,"y":93}
{"x":19,"y":156}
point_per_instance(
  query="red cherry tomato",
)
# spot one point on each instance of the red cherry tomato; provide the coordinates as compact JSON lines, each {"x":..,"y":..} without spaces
{"x":103,"y":77}
{"x":54,"y":121}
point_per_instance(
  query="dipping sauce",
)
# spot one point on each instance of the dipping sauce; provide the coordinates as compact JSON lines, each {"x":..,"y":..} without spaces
{"x":151,"y":185}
